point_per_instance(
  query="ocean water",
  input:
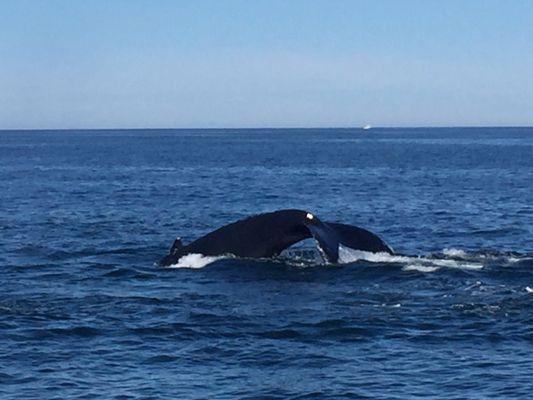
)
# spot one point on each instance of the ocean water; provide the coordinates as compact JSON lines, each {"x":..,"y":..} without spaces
{"x":85,"y":311}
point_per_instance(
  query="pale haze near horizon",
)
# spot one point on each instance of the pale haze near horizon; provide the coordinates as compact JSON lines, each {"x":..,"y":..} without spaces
{"x":229,"y":64}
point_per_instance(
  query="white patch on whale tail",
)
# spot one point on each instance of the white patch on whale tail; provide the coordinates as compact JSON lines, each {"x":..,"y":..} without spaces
{"x":195,"y":260}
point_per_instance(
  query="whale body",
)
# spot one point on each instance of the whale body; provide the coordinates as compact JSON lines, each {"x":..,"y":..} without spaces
{"x":267,"y":235}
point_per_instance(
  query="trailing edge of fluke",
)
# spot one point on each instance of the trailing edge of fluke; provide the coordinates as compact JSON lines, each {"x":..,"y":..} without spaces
{"x":267,"y":235}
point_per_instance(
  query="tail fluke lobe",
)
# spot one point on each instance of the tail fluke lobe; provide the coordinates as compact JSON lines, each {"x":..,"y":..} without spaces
{"x":327,"y":239}
{"x":330,"y":235}
{"x":360,"y":239}
{"x":176,"y":246}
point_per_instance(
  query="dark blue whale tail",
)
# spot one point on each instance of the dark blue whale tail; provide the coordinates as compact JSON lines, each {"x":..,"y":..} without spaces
{"x":267,"y":235}
{"x":330,"y":235}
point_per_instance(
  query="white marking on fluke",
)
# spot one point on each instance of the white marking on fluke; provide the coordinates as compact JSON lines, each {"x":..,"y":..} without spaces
{"x":310,"y":216}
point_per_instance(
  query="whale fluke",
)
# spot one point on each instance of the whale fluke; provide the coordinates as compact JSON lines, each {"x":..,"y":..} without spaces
{"x":267,"y":235}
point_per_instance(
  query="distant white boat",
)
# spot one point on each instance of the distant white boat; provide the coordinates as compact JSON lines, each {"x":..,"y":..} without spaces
{"x":367,"y":127}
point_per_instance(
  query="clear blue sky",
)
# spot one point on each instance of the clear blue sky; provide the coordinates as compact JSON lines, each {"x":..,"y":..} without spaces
{"x":255,"y":63}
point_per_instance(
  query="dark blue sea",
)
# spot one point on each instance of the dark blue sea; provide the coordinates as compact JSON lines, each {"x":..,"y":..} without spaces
{"x":86,"y":312}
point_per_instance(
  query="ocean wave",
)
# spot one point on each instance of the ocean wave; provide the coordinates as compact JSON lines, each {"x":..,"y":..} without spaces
{"x":420,"y":268}
{"x":163,"y":358}
{"x":129,"y":273}
{"x":412,"y":263}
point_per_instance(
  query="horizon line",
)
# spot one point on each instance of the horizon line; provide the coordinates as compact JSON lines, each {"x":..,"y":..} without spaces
{"x":273,"y":128}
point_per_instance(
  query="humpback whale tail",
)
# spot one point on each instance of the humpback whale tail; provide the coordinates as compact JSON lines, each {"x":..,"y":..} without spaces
{"x":330,"y":235}
{"x":267,"y":235}
{"x":176,"y":246}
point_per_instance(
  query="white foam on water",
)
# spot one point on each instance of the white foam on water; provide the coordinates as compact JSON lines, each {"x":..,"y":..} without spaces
{"x":529,"y":290}
{"x":451,"y":252}
{"x":195,"y":261}
{"x":452,"y":263}
{"x":397,"y":305}
{"x":423,"y":264}
{"x":420,"y":268}
{"x":347,"y":255}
